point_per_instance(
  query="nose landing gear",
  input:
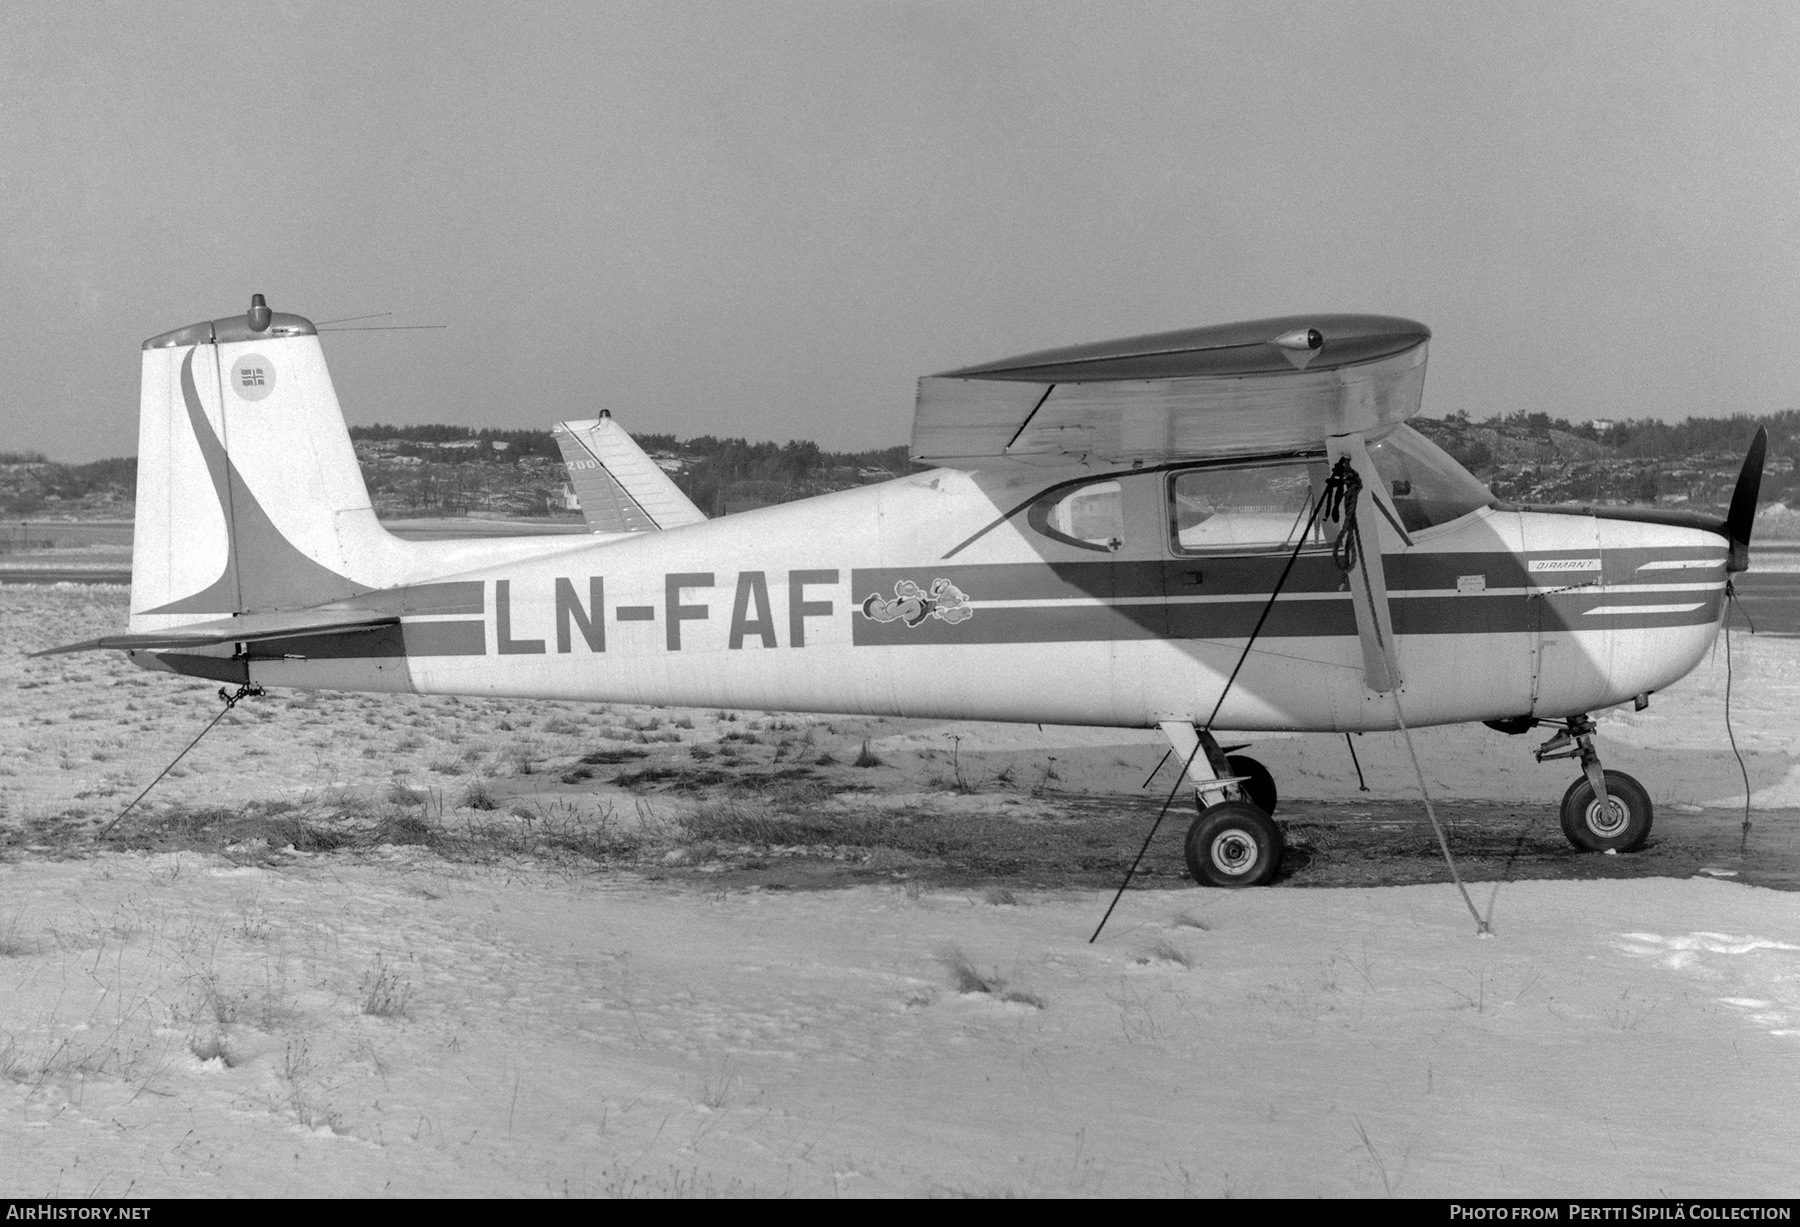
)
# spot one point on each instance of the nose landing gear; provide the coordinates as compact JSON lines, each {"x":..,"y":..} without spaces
{"x":1603,"y":811}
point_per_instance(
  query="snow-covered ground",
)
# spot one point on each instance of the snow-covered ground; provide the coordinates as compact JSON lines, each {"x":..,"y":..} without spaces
{"x":176,"y":1026}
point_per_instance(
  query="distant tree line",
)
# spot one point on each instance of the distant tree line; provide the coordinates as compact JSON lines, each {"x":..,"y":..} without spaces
{"x":722,"y":474}
{"x":718,"y":474}
{"x":1659,"y":440}
{"x":29,"y":483}
{"x":519,"y":443}
{"x":1649,"y":439}
{"x":1534,"y":457}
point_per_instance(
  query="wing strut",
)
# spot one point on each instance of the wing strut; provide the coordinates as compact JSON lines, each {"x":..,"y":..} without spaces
{"x":1349,"y":497}
{"x":1352,"y":496}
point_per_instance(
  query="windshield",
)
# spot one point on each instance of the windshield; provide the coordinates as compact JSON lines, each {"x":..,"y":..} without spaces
{"x":1427,"y":486}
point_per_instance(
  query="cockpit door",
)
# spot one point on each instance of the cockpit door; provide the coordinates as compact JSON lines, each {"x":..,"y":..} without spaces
{"x":1230,"y":528}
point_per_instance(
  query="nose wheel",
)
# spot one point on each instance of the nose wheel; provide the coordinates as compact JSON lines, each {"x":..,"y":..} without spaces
{"x":1603,"y":811}
{"x":1619,"y":824}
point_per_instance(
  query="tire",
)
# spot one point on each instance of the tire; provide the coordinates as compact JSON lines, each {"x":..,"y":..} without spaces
{"x":1234,"y":844}
{"x":1624,"y":830}
{"x":1259,"y":789}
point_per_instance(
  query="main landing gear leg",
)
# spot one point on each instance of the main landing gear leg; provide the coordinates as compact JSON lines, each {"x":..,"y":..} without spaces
{"x":1603,"y":811}
{"x":1233,"y":842}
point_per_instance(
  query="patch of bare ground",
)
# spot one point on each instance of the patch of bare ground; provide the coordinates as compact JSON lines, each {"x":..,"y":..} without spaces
{"x":747,"y":834}
{"x":1089,"y":842}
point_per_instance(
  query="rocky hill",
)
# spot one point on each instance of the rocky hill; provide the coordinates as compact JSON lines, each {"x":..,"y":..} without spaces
{"x":33,"y":485}
{"x":1533,"y":458}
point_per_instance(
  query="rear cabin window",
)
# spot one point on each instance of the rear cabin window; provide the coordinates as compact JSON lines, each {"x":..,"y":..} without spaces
{"x":1245,"y":508}
{"x":1091,"y":516}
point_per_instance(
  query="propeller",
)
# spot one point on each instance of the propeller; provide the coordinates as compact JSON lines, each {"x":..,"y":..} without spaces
{"x":1742,"y":516}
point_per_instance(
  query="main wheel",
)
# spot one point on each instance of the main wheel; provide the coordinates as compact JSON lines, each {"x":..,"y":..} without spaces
{"x":1622,"y":826}
{"x":1234,"y":844}
{"x":1260,"y":787}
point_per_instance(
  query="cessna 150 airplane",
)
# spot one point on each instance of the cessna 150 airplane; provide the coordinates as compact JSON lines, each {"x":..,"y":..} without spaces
{"x":1224,"y":528}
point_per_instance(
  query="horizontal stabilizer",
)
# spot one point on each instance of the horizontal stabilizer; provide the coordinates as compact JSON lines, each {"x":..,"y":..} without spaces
{"x":251,"y":628}
{"x":1265,"y":386}
{"x":620,"y":488}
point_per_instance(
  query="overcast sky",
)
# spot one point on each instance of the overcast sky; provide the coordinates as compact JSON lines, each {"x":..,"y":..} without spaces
{"x":768,"y":219}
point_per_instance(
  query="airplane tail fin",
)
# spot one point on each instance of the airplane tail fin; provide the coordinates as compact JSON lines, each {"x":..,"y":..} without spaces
{"x":249,"y":497}
{"x":620,"y":488}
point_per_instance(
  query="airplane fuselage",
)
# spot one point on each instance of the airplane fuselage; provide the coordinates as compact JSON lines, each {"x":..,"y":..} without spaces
{"x":923,"y":597}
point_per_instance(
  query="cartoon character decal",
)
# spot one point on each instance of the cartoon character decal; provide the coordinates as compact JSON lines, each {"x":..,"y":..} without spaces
{"x":912,"y":604}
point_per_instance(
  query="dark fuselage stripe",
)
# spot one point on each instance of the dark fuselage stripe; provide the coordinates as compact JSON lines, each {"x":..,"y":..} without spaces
{"x":1471,"y":614}
{"x":1238,"y":574}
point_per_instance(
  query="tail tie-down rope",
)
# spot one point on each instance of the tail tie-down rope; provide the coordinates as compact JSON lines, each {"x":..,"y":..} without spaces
{"x":247,"y":691}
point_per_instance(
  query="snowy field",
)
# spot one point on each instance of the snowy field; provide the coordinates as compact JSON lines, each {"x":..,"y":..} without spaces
{"x":178,"y":1026}
{"x":262,"y":1020}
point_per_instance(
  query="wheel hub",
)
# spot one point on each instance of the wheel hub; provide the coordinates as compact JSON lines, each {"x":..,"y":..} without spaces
{"x":1607,"y":820}
{"x":1234,"y":852}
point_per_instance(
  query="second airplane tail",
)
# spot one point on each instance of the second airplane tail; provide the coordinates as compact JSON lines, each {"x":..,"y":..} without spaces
{"x":621,"y":489}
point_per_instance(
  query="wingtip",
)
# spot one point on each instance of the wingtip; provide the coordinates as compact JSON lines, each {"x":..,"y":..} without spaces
{"x":86,"y":645}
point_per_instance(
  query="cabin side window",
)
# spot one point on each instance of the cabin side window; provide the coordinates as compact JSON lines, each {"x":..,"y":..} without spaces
{"x":1241,"y":508}
{"x":1091,"y":516}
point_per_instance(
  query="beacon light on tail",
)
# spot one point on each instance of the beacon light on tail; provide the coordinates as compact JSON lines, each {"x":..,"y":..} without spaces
{"x":1131,"y":533}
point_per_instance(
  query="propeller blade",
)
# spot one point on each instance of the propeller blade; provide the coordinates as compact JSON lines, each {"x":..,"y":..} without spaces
{"x":1742,"y":516}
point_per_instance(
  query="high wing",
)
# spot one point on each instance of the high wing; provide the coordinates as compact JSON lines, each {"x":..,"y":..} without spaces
{"x":1235,"y":389}
{"x":1294,"y":383}
{"x":620,"y":488}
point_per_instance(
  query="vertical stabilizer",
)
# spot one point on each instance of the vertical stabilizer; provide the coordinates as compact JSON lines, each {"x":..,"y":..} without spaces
{"x":249,"y":495}
{"x":620,"y":488}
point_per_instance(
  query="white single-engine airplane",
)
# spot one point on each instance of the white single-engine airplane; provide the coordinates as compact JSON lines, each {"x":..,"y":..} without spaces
{"x":1229,"y":527}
